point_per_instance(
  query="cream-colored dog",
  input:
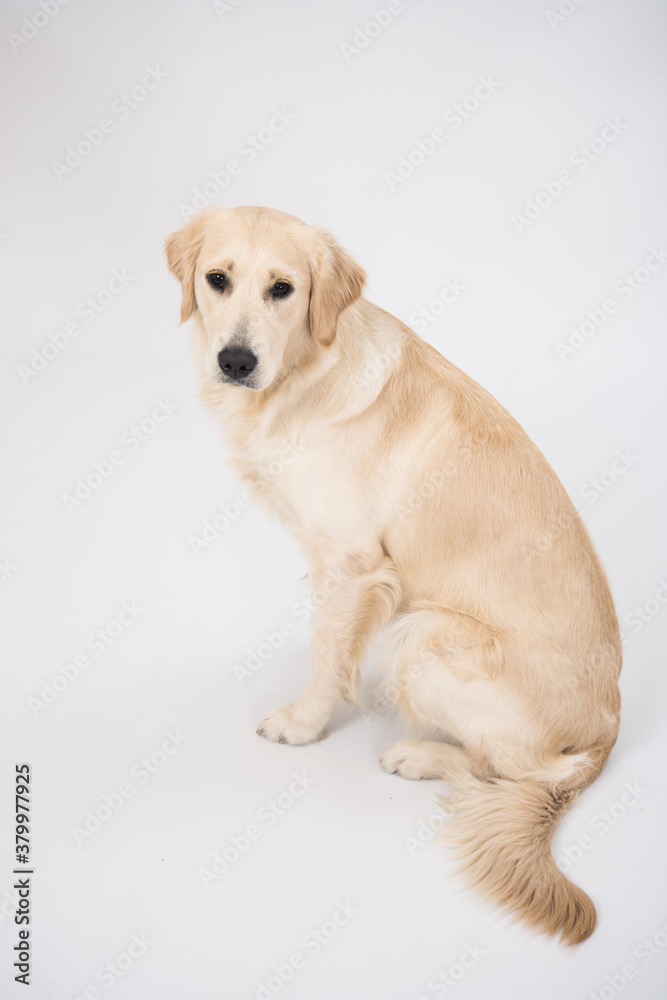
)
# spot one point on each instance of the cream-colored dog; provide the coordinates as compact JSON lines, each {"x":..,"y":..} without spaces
{"x":421,"y":505}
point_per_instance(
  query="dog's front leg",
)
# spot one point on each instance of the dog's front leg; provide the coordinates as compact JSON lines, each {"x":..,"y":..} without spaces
{"x":350,"y":606}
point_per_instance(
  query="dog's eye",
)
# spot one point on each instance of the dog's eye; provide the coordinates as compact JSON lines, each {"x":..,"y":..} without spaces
{"x":217,"y":280}
{"x":280,"y":290}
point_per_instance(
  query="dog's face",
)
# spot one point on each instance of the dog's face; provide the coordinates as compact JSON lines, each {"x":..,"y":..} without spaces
{"x":267,"y":289}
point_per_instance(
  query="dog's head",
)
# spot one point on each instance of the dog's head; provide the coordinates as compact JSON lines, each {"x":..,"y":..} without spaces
{"x":266,"y":287}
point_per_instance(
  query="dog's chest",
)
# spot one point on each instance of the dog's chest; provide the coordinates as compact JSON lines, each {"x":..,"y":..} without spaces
{"x":305,"y":480}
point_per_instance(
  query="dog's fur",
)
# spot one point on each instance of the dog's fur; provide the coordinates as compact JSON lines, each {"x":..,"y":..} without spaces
{"x":421,"y":505}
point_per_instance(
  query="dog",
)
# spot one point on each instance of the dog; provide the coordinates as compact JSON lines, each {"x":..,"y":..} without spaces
{"x":425,"y":511}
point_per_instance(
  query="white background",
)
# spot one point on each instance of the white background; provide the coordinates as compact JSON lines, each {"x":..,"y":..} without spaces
{"x":172,"y":669}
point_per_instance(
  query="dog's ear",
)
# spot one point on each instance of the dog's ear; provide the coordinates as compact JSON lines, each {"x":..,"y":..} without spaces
{"x":336,"y":282}
{"x":182,"y":249}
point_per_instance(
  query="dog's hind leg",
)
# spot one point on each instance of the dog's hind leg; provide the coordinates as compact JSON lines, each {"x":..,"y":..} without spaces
{"x":513,"y":777}
{"x":418,"y":759}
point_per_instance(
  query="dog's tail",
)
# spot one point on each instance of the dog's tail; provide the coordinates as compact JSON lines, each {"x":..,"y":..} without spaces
{"x":501,"y":832}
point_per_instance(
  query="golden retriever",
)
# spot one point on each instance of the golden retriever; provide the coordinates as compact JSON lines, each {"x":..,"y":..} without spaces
{"x":422,"y":506}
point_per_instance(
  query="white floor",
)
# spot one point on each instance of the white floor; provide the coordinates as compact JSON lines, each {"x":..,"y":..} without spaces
{"x":327,"y":889}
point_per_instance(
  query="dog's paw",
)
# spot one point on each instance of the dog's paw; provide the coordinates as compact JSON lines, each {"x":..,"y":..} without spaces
{"x":285,"y":726}
{"x":406,"y":759}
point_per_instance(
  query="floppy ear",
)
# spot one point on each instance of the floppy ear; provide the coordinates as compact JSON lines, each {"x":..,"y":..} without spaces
{"x":182,"y":249}
{"x":336,"y":282}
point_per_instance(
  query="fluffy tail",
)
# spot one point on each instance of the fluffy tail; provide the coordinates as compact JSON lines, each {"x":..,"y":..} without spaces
{"x":501,"y":832}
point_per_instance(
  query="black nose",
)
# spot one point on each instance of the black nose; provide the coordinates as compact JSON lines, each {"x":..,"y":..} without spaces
{"x":236,"y":364}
